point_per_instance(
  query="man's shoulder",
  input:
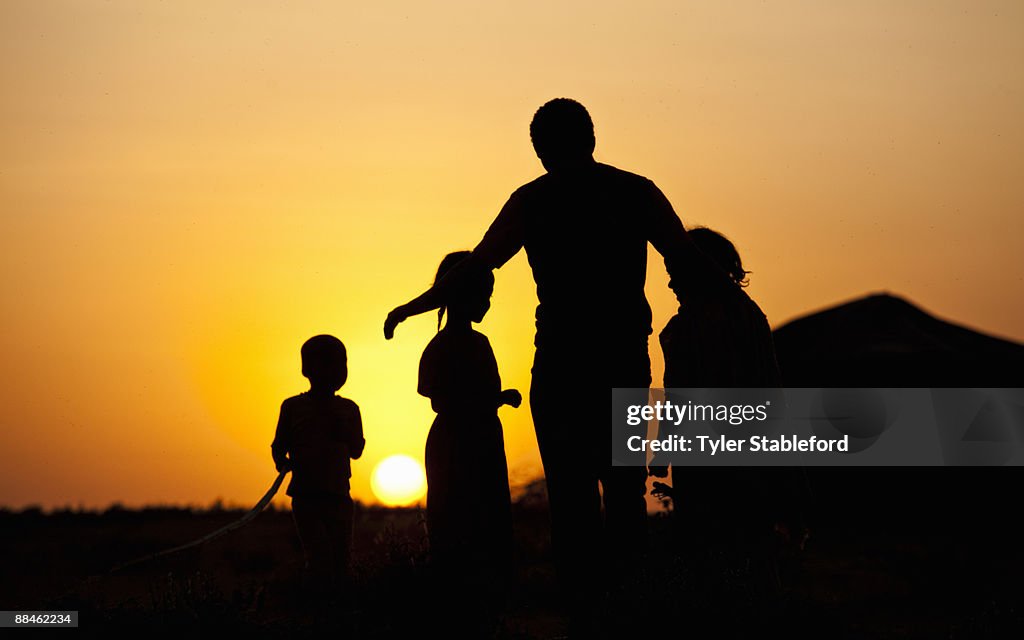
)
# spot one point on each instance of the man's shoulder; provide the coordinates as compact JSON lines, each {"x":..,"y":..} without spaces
{"x":605,"y":173}
{"x":537,"y":185}
{"x":610,"y":172}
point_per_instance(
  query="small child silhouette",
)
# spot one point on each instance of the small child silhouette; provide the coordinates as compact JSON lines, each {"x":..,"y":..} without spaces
{"x":318,"y":433}
{"x":468,"y":504}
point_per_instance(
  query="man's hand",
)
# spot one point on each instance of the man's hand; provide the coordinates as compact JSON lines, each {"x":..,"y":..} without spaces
{"x":284,"y":466}
{"x":397,"y":316}
{"x":511,"y":397}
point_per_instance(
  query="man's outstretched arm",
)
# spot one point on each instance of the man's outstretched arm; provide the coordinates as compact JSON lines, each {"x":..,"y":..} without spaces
{"x":691,"y":273}
{"x":503,"y":239}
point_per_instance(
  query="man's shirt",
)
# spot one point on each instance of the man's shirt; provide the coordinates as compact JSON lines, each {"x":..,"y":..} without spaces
{"x":585,"y":233}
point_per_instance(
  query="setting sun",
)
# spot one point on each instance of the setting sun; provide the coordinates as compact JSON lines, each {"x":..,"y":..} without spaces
{"x":398,"y":481}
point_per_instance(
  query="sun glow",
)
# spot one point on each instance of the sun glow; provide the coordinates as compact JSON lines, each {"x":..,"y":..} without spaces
{"x":398,"y":481}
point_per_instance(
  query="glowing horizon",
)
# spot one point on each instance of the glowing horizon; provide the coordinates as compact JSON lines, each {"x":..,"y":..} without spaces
{"x":189,"y":192}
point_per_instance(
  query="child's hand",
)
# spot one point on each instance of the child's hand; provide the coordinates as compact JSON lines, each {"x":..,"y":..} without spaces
{"x":512,"y":398}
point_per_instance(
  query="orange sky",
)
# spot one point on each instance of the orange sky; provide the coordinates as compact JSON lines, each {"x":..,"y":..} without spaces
{"x":189,"y":190}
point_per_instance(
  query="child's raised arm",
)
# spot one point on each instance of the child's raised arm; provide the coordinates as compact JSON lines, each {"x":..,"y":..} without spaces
{"x":432,"y":297}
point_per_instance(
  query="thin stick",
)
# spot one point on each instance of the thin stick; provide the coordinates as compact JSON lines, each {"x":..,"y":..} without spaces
{"x":255,"y":511}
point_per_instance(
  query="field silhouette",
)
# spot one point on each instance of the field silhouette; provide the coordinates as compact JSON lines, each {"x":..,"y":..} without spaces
{"x":877,"y":576}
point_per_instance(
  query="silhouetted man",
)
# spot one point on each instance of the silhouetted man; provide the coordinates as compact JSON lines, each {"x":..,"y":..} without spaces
{"x":585,"y":227}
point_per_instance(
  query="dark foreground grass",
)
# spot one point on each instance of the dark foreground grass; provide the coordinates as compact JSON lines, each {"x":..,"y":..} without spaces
{"x":852,"y":580}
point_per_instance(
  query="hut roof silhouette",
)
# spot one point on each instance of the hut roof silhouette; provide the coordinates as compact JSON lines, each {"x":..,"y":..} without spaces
{"x":883,"y":340}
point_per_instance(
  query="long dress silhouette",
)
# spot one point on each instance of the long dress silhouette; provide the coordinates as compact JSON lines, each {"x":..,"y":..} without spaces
{"x":468,"y":501}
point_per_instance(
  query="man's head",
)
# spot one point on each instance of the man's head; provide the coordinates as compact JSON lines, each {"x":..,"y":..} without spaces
{"x":562,"y":133}
{"x":325,"y":362}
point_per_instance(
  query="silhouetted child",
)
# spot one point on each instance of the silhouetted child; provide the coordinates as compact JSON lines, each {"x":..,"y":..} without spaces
{"x":468,"y":503}
{"x":318,"y":433}
{"x":730,"y":511}
{"x":710,"y":346}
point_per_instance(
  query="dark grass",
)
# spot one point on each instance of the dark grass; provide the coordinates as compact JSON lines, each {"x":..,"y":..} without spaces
{"x":856,"y":578}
